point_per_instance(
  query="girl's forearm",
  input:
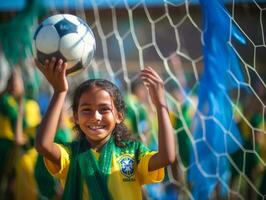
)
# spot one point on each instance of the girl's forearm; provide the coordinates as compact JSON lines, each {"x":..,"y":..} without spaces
{"x":165,"y":135}
{"x":166,"y":147}
{"x":47,"y":130}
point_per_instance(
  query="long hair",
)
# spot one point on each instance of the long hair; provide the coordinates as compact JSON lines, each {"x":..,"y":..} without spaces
{"x":120,"y":131}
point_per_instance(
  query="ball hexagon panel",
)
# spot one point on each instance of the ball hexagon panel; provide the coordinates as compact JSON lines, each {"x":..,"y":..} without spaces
{"x":37,"y":31}
{"x":73,"y":19}
{"x":44,"y":37}
{"x":82,"y":30}
{"x":89,"y":39}
{"x":53,"y":20}
{"x":87,"y":56}
{"x":71,"y":46}
{"x":65,"y":27}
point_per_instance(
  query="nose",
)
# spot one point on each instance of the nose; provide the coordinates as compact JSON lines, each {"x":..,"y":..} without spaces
{"x":97,"y":116}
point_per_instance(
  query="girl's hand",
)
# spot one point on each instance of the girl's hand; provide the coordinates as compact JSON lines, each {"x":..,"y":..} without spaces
{"x":154,"y":85}
{"x":55,"y":72}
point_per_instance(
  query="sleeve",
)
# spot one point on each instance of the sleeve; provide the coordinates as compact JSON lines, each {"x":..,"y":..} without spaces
{"x":59,"y":171}
{"x":144,"y":175}
{"x":9,"y":108}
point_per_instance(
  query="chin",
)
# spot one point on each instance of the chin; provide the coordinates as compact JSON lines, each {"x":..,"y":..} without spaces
{"x":97,"y":137}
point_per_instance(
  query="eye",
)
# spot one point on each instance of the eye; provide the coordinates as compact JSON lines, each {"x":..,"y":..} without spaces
{"x":86,"y":110}
{"x":104,"y":110}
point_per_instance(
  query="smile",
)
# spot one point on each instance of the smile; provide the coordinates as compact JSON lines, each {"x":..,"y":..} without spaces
{"x":96,"y":127}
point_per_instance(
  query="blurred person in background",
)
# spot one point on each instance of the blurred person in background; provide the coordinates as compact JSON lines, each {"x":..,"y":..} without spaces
{"x":261,"y":138}
{"x":250,"y":126}
{"x":19,"y":117}
{"x":11,"y":128}
{"x":181,"y":115}
{"x":140,"y":115}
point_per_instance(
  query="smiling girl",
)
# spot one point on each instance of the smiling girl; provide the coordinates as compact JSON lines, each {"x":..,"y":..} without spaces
{"x":104,"y":162}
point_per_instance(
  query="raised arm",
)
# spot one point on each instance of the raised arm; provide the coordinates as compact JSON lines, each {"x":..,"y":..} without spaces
{"x":55,"y":73}
{"x":166,"y":151}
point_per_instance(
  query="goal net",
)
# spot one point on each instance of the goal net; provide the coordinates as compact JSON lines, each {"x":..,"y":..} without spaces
{"x":211,"y":57}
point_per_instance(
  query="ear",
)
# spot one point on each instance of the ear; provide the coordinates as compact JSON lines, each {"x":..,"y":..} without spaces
{"x":120,"y":117}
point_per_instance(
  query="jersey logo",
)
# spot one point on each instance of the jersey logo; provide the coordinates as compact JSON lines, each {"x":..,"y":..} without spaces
{"x":127,"y":166}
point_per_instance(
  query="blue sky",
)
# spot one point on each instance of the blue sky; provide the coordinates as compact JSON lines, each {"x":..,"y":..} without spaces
{"x":19,"y":4}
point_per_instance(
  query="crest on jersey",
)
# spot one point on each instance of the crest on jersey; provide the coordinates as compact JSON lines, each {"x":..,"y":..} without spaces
{"x":127,"y":166}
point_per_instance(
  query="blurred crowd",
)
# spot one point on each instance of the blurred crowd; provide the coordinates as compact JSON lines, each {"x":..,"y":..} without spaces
{"x":23,"y":174}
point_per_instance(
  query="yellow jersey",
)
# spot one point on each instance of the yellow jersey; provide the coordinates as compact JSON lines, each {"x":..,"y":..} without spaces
{"x":126,"y":177}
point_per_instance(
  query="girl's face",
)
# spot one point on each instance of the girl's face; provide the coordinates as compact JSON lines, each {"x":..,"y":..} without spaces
{"x":97,"y":115}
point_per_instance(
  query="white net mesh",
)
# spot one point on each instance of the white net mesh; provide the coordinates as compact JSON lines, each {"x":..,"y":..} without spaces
{"x":168,"y":36}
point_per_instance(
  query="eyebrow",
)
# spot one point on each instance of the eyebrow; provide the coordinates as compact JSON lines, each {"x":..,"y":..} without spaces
{"x":101,"y":104}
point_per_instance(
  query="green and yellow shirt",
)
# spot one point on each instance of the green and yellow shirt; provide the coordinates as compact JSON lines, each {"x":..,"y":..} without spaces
{"x":129,"y":170}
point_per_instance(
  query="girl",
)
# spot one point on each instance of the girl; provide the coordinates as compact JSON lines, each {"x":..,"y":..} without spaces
{"x":104,"y":163}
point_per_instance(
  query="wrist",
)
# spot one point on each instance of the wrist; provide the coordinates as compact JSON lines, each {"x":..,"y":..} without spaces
{"x":60,"y":95}
{"x":59,"y":92}
{"x":162,"y":106}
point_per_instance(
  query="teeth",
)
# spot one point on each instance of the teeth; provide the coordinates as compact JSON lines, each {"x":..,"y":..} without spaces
{"x":96,"y":127}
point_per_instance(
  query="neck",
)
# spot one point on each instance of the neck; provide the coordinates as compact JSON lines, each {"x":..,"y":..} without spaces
{"x":97,"y":145}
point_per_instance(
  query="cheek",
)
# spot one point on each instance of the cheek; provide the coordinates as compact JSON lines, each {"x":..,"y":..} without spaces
{"x":109,"y":118}
{"x":80,"y":118}
{"x":84,"y":118}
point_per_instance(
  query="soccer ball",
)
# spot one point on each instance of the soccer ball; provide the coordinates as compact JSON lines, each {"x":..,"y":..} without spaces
{"x":67,"y":37}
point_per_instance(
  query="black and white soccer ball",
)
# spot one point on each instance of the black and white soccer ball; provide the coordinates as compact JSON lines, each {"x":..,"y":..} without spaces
{"x":68,"y":37}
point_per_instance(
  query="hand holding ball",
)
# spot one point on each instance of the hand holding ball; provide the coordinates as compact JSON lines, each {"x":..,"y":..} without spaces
{"x":67,"y":37}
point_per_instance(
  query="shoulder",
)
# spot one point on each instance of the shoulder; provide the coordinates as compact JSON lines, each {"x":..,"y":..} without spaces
{"x":7,"y":99}
{"x":131,"y":145}
{"x":8,"y":105}
{"x":77,"y":146}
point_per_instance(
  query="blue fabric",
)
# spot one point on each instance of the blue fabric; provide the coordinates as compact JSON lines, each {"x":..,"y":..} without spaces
{"x":215,"y":132}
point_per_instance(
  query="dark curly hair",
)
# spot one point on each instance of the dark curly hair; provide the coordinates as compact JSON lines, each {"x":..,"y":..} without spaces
{"x":120,"y":132}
